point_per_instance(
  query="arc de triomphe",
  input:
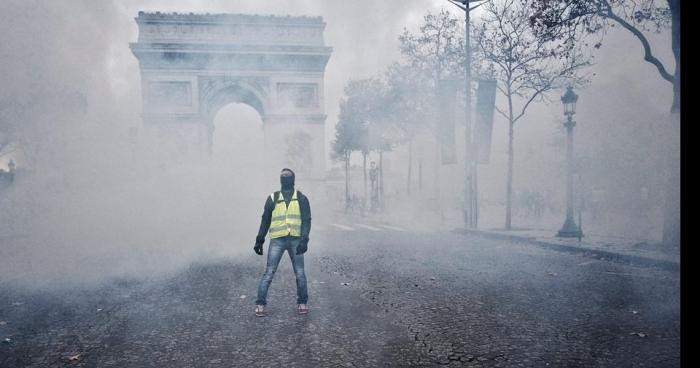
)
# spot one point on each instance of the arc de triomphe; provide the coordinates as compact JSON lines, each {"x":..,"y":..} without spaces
{"x":194,"y":64}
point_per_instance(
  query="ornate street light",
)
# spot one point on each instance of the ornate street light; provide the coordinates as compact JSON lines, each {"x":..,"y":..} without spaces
{"x":569,"y":229}
{"x":569,"y":101}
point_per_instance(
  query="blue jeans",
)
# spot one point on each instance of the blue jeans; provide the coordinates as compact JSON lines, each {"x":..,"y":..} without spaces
{"x":275,"y":251}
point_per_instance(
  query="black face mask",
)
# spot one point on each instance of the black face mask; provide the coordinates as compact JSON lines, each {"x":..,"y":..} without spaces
{"x":287,"y":182}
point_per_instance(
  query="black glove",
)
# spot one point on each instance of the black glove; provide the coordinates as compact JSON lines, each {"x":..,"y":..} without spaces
{"x":303,"y":246}
{"x":258,"y":248}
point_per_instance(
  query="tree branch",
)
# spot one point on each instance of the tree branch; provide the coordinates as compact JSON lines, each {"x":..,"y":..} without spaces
{"x":501,"y":112}
{"x":648,"y":56}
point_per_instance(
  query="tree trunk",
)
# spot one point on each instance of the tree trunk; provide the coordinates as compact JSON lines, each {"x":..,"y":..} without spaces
{"x":420,"y":174}
{"x":436,"y":176}
{"x":509,"y":186}
{"x":347,"y":191}
{"x":364,"y":173}
{"x":672,"y":197}
{"x":381,"y":178}
{"x":410,"y":163}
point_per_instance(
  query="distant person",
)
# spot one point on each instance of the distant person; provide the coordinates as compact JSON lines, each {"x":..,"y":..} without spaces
{"x":287,"y":216}
{"x":374,"y":189}
{"x":373,"y":176}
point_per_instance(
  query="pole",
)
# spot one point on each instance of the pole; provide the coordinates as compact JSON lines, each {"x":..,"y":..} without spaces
{"x":364,"y":174}
{"x":580,"y":202}
{"x":468,"y":180}
{"x":569,"y":229}
{"x":580,"y":232}
{"x":347,"y":188}
{"x":470,"y":159}
{"x":381,"y":180}
{"x":569,"y":168}
{"x":476,"y":185}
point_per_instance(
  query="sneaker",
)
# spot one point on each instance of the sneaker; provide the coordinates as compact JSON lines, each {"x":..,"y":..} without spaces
{"x":260,"y":311}
{"x":303,"y":309}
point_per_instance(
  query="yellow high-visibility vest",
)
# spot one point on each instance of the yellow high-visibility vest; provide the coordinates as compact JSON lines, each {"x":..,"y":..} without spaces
{"x":286,"y":220}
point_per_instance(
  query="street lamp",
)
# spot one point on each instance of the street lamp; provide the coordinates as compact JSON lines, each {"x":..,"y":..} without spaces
{"x":569,"y":101}
{"x":470,"y":162}
{"x":12,"y":166}
{"x":569,"y":229}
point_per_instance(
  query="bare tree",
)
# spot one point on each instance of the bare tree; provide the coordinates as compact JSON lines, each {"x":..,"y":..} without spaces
{"x":408,"y":105}
{"x":436,"y":51}
{"x":347,"y":139}
{"x":525,"y":67}
{"x":363,"y":104}
{"x":574,"y":20}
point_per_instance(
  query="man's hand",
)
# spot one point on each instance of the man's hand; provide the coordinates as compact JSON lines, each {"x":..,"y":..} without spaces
{"x":303,"y":246}
{"x":258,"y":248}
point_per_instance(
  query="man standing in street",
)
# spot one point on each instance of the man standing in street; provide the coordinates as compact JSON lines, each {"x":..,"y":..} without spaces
{"x":287,"y":216}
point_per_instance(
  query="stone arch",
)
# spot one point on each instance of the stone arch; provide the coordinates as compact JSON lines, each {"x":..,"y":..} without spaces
{"x":214,"y":100}
{"x":223,"y":92}
{"x":194,"y":64}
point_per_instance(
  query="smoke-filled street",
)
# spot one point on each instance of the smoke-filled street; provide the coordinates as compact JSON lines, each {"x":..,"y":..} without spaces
{"x":313,"y":183}
{"x":380,"y":295}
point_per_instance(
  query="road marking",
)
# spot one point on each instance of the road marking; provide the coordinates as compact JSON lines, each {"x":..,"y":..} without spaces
{"x":368,"y":227}
{"x":392,"y":228}
{"x":586,"y":263}
{"x":348,"y":228}
{"x":618,"y":273}
{"x":631,"y":274}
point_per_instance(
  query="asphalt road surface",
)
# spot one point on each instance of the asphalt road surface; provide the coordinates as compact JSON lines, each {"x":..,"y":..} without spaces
{"x":380,"y":296}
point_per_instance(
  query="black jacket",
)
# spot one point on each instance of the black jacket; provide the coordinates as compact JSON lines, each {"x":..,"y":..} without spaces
{"x":304,"y":208}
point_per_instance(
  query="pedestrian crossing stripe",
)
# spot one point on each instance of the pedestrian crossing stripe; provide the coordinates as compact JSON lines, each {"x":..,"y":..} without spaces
{"x":392,"y":228}
{"x":343,"y":227}
{"x":368,"y":227}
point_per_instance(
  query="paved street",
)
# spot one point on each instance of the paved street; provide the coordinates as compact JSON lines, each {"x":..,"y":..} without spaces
{"x":380,"y":295}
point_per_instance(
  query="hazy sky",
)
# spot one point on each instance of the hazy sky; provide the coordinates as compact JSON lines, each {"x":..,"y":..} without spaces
{"x":86,"y":42}
{"x":83,"y":45}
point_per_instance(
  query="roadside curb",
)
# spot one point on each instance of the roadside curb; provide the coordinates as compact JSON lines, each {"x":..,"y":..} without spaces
{"x":605,"y":255}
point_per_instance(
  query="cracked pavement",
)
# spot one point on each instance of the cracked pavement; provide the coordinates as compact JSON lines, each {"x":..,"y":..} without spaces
{"x":378,"y":297}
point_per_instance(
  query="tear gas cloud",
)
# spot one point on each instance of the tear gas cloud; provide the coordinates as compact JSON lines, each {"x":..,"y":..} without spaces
{"x":94,"y":198}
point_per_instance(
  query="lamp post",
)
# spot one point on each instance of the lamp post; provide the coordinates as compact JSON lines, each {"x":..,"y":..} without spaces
{"x":11,"y":166}
{"x":569,"y":229}
{"x":470,"y":161}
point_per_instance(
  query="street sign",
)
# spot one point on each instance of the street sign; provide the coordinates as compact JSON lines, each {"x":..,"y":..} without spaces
{"x":485,"y":104}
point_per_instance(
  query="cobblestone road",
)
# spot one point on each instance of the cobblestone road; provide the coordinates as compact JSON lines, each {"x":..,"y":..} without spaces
{"x":378,"y":297}
{"x":477,"y":302}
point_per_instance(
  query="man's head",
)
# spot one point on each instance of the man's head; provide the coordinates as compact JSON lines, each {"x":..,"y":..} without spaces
{"x":287,"y":178}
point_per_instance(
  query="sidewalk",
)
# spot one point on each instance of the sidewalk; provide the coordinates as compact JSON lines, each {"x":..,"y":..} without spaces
{"x":611,"y":248}
{"x":617,"y":249}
